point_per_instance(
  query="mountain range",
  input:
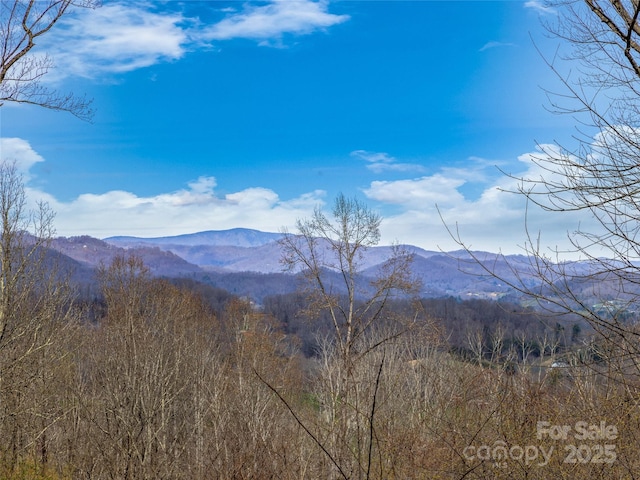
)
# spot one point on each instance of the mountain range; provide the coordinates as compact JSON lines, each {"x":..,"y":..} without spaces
{"x":247,"y":262}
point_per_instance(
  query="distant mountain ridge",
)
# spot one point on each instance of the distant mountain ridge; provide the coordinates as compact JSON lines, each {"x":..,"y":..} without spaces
{"x":92,"y":252}
{"x":244,"y":251}
{"x":237,"y":237}
{"x":247,"y":262}
{"x":240,"y":249}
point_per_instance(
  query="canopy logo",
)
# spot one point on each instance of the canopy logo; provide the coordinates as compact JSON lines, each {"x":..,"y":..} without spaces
{"x":596,"y":446}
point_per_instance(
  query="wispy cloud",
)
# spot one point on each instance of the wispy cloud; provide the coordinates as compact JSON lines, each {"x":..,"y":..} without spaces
{"x":380,"y":162}
{"x":275,"y":19}
{"x":121,"y":37}
{"x":417,"y":192}
{"x":115,"y":38}
{"x":539,"y":6}
{"x":493,"y":44}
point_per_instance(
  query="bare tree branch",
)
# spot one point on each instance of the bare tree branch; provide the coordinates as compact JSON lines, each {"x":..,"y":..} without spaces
{"x":21,"y":24}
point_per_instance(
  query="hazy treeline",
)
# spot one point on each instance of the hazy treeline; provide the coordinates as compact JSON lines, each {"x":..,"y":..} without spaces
{"x":468,"y":327}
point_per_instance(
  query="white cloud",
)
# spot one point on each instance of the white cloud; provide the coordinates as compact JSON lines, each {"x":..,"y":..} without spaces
{"x":194,"y":208}
{"x":19,"y":151}
{"x":188,"y":210}
{"x":275,"y":19}
{"x":122,"y":36}
{"x":418,"y":192}
{"x":539,"y":6}
{"x":380,"y":162}
{"x":114,"y":38}
{"x":496,"y":219}
{"x":490,"y":45}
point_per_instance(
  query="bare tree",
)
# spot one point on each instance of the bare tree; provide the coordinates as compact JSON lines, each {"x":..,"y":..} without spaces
{"x":24,"y":234}
{"x":35,"y":313}
{"x":22,"y":23}
{"x":598,"y":175}
{"x":147,"y":370}
{"x":329,"y":252}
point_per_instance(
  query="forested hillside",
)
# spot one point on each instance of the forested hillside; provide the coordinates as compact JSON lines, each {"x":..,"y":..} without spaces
{"x":159,"y":379}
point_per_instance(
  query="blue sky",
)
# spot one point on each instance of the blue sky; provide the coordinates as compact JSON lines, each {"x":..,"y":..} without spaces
{"x":213,"y":115}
